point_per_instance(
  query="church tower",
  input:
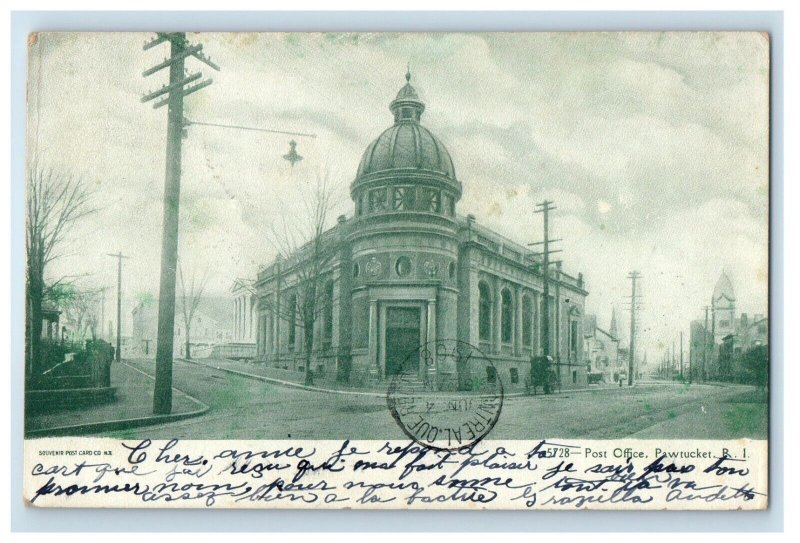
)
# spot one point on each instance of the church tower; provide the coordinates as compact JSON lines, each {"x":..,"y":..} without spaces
{"x":723,"y":306}
{"x":612,"y":329}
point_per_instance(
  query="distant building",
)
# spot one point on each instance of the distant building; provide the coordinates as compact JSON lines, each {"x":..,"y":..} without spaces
{"x":751,"y":335}
{"x":602,"y":351}
{"x":723,"y":309}
{"x":51,"y":316}
{"x":211,"y":325}
{"x":245,"y":311}
{"x":408,"y":270}
{"x":720,"y":350}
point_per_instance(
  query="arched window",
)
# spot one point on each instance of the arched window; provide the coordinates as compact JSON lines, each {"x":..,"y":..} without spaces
{"x":484,"y":312}
{"x":527,"y":321}
{"x":507,"y":316}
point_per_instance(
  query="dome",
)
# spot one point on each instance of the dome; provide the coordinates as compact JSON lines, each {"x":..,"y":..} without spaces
{"x":407,"y":144}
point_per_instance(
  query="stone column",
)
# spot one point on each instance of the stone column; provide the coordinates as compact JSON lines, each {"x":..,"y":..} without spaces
{"x":236,"y":318}
{"x":336,"y":309}
{"x":373,"y":339}
{"x":244,"y":317}
{"x":269,"y":338}
{"x":248,"y":319}
{"x":260,"y":342}
{"x":242,"y":312}
{"x":518,"y":321}
{"x":497,"y":323}
{"x":276,"y":325}
{"x":430,"y":339}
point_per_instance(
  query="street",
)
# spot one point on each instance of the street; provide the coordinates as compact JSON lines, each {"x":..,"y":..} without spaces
{"x":244,"y":408}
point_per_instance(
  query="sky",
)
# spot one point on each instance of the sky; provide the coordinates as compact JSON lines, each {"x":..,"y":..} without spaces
{"x":654,"y":147}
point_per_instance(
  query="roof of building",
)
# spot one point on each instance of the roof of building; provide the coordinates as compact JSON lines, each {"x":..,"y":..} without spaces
{"x":407,"y":144}
{"x":723,"y":289}
{"x":610,"y":336}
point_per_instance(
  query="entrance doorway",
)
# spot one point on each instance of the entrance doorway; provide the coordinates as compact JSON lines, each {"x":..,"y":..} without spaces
{"x":402,"y":339}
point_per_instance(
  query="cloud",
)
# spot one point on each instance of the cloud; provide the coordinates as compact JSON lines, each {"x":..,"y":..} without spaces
{"x":653,"y":145}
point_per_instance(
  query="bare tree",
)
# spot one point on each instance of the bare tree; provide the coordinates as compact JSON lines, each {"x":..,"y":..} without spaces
{"x":190,"y":299}
{"x":54,"y":202}
{"x":307,"y":249}
{"x":81,"y":307}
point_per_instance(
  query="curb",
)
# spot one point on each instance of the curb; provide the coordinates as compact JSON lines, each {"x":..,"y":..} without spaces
{"x":120,"y":424}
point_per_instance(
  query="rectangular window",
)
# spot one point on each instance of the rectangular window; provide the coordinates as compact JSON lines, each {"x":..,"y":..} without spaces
{"x":514,"y":375}
{"x":491,"y":374}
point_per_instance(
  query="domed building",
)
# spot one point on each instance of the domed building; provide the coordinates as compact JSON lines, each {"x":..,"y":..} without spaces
{"x":407,"y":270}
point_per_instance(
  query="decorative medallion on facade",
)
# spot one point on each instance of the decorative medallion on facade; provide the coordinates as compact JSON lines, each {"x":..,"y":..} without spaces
{"x":431,"y":268}
{"x":374,"y":267}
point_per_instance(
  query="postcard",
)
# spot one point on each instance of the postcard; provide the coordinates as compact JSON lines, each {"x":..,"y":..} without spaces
{"x":397,"y":270}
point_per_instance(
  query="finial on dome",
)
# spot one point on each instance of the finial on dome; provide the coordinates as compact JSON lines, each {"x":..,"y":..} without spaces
{"x":408,"y":72}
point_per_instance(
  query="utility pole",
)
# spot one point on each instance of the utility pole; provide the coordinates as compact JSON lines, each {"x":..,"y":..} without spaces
{"x":705,"y":345}
{"x":545,"y":207}
{"x":102,"y":311}
{"x":181,"y":84}
{"x":672,"y":360}
{"x":633,"y":276}
{"x":557,"y":318}
{"x":681,"y":355}
{"x":119,"y":256}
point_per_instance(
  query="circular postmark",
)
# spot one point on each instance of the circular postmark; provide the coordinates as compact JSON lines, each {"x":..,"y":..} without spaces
{"x":446,"y":395}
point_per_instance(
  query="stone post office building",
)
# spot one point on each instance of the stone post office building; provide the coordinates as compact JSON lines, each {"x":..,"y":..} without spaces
{"x":409,"y":270}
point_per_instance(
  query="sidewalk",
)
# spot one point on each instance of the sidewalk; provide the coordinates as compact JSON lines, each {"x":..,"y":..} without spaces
{"x":132,"y":408}
{"x":295,"y":379}
{"x":292,"y":379}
